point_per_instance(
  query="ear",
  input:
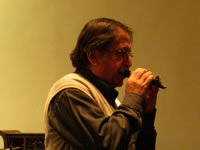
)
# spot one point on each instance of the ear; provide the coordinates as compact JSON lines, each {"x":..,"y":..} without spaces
{"x":92,"y":57}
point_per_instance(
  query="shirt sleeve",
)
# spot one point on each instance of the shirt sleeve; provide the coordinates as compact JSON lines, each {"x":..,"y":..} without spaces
{"x":79,"y":121}
{"x":146,"y":139}
{"x":147,"y":136}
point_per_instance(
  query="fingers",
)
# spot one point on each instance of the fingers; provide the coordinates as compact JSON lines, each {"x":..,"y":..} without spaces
{"x":138,"y":73}
{"x":139,"y":81}
{"x":143,"y":76}
{"x":146,"y":78}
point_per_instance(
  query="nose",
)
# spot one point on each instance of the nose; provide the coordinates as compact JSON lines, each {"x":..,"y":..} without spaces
{"x":128,"y":61}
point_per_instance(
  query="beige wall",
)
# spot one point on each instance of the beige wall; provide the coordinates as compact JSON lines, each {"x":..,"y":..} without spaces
{"x":36,"y":37}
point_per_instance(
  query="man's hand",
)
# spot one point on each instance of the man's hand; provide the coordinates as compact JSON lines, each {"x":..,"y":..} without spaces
{"x":150,"y":99}
{"x":139,"y":81}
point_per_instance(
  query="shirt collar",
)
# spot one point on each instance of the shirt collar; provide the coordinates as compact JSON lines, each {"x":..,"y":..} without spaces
{"x":108,"y":92}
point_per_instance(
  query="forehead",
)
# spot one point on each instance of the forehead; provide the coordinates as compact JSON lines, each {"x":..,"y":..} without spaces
{"x":122,"y":40}
{"x":122,"y":35}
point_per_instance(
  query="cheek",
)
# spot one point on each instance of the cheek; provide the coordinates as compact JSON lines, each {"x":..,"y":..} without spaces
{"x":112,"y":67}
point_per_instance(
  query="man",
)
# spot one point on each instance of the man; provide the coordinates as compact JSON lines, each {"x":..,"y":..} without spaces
{"x":81,"y":113}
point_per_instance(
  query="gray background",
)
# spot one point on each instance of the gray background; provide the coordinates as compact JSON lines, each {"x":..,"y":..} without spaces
{"x":36,"y":37}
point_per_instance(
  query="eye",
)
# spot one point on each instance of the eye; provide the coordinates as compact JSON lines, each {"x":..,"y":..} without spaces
{"x":124,"y":53}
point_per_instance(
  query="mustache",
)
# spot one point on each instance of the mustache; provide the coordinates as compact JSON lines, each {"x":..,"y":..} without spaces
{"x":125,"y":72}
{"x":155,"y":82}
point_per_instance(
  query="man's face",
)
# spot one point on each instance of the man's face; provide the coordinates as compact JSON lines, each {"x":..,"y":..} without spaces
{"x":115,"y":59}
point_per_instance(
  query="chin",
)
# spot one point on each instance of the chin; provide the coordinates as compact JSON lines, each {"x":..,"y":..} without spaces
{"x":119,"y":83}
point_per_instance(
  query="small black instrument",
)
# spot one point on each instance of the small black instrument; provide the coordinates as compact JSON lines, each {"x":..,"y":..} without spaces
{"x":156,"y":81}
